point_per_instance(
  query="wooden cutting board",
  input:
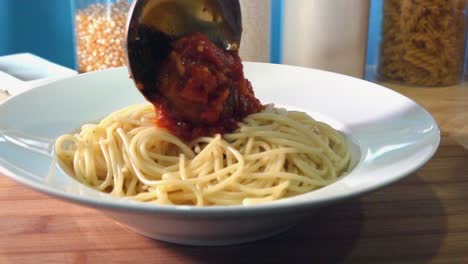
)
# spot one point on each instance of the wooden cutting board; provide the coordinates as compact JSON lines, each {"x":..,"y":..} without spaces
{"x":421,"y":219}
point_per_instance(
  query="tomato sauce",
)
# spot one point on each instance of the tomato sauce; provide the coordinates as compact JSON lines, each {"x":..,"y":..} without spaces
{"x":201,"y":89}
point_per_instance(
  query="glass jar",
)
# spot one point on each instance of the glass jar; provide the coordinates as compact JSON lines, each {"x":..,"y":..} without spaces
{"x":256,"y":20}
{"x":423,"y":42}
{"x":329,"y":35}
{"x":100,"y":33}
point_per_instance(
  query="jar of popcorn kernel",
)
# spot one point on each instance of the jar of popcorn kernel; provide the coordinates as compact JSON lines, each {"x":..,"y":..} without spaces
{"x":100,"y":33}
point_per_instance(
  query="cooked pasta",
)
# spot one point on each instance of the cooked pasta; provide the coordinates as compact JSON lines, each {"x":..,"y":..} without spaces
{"x":273,"y":154}
{"x":423,"y":42}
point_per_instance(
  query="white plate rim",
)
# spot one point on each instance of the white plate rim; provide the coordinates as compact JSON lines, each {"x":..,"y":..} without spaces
{"x":221,"y":211}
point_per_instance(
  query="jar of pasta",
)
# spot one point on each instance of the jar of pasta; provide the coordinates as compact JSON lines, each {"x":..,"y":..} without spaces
{"x":99,"y":33}
{"x":423,"y":42}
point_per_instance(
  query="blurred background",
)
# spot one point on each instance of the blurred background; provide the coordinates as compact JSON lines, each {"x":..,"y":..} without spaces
{"x":45,"y":28}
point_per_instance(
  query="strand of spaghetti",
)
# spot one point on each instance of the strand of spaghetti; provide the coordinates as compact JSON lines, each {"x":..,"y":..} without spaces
{"x":308,"y":169}
{"x":206,"y":150}
{"x":281,"y":188}
{"x":77,"y":167}
{"x":275,"y":151}
{"x":202,"y":179}
{"x":277,"y":162}
{"x":233,"y":177}
{"x":254,"y":190}
{"x":218,"y":157}
{"x":297,"y":145}
{"x":108,"y":180}
{"x":89,"y":164}
{"x":131,"y":186}
{"x":183,"y":172}
{"x":116,"y":161}
{"x":140,"y":141}
{"x":298,"y":126}
{"x":160,"y":188}
{"x":288,"y":176}
{"x":133,"y":159}
{"x":266,"y":134}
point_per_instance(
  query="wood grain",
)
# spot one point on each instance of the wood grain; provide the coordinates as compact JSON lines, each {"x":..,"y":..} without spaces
{"x":421,"y":219}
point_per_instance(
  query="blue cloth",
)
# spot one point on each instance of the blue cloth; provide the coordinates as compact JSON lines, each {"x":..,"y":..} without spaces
{"x":41,"y":27}
{"x":4,"y":26}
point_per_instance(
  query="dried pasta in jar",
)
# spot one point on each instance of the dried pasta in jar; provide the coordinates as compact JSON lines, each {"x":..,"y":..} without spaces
{"x":423,"y":42}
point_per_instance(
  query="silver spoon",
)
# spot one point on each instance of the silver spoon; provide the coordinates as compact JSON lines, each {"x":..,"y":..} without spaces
{"x":153,"y":24}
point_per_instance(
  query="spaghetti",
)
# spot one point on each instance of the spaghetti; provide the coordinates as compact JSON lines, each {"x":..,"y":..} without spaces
{"x":272,"y":154}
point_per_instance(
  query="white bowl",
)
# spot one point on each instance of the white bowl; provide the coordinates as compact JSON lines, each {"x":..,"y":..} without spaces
{"x":391,"y":137}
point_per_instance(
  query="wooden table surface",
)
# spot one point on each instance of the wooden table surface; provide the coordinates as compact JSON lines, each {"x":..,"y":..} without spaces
{"x":421,"y":219}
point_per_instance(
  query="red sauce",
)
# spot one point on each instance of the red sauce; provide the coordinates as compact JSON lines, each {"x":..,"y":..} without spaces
{"x":201,"y":89}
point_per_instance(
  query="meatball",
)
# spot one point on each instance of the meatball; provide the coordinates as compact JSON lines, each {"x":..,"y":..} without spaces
{"x":201,"y":89}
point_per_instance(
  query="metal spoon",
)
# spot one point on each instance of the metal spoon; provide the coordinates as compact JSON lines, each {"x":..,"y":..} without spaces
{"x":153,"y":24}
